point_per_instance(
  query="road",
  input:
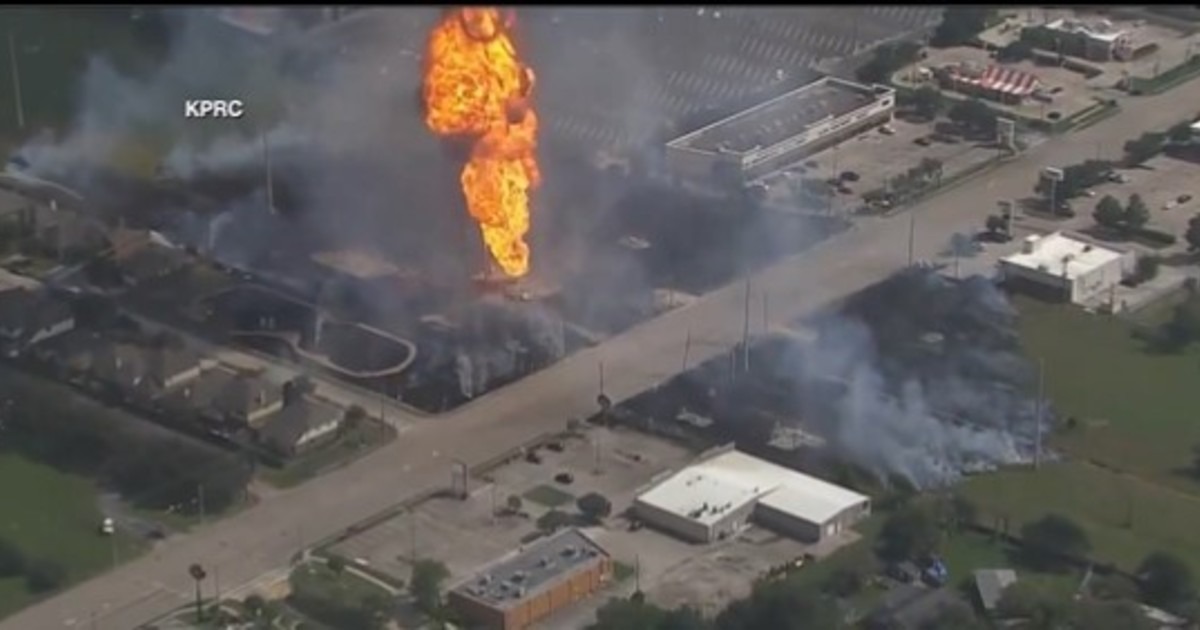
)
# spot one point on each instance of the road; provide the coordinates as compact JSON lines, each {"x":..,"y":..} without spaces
{"x":264,"y":538}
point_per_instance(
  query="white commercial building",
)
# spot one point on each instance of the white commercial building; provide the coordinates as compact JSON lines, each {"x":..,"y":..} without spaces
{"x":779,"y":132}
{"x":719,"y":495}
{"x":1066,"y":268}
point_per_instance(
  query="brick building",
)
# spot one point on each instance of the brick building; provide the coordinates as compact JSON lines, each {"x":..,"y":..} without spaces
{"x":530,"y":584}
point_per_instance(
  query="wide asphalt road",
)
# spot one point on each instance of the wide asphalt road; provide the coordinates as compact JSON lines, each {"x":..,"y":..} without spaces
{"x":264,"y":538}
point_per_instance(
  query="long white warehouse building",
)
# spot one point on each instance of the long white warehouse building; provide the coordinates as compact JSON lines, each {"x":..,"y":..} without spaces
{"x":719,"y":495}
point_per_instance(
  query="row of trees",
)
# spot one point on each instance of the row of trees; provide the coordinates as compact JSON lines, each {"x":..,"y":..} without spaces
{"x":149,"y":471}
{"x":1149,"y":144}
{"x":1077,"y":178}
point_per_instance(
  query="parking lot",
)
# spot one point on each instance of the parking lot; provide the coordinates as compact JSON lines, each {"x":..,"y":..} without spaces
{"x":466,"y":534}
{"x":875,"y":156}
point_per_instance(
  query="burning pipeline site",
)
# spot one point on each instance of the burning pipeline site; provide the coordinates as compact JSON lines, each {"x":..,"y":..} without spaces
{"x":400,"y":200}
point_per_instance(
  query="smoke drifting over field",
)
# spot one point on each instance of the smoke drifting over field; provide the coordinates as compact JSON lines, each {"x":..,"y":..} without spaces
{"x":930,"y":380}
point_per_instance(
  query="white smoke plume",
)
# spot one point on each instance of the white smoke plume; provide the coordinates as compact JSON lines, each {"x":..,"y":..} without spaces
{"x":931,"y":392}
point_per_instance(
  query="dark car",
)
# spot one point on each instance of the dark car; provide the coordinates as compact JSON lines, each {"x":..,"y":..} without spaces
{"x":923,"y":141}
{"x":565,"y":478}
{"x":1183,"y":199}
{"x":849,"y":176}
{"x":533,"y":458}
{"x":557,"y":447}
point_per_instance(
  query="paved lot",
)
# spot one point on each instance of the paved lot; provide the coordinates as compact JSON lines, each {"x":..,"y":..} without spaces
{"x":264,"y":538}
{"x":614,"y":462}
{"x":876,"y":157}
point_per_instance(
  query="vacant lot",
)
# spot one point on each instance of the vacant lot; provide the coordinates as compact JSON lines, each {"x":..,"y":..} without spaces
{"x":51,"y":515}
{"x":1134,"y":409}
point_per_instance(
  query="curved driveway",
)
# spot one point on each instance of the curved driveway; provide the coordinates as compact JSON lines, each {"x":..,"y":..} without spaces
{"x":261,"y":539}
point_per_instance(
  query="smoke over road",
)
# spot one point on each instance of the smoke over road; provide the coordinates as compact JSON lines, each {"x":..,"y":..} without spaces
{"x":929,"y":380}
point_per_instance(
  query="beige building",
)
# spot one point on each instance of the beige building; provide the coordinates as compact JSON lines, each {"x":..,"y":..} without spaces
{"x":718,"y":496}
{"x":779,"y":132}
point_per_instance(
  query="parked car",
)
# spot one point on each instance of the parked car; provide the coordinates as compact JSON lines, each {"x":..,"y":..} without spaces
{"x":565,"y":478}
{"x":1183,"y":198}
{"x":923,"y":141}
{"x":849,"y":176}
{"x":533,"y":458}
{"x":887,"y":130}
{"x":557,"y":447}
{"x":108,"y":527}
{"x":903,"y":572}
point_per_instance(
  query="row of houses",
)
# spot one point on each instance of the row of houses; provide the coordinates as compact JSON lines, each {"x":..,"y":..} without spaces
{"x":163,"y":377}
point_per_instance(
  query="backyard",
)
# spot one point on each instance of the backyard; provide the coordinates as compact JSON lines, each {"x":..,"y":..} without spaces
{"x":52,"y":516}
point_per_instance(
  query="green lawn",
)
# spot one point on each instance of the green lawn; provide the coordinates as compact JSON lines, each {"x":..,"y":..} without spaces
{"x":1136,"y":409}
{"x":52,"y":515}
{"x":549,"y":496}
{"x":1125,"y":517}
{"x":53,"y":46}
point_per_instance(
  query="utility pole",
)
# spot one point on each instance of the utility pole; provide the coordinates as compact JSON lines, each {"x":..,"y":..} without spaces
{"x":766,"y":321}
{"x":1041,"y":398}
{"x":16,"y":81}
{"x":912,"y":234}
{"x":269,"y":175}
{"x":200,"y":501}
{"x":601,"y":367}
{"x":687,"y":349}
{"x":746,"y":330}
{"x":412,"y":536}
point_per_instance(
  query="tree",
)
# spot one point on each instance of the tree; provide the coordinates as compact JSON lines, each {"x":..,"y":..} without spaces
{"x":636,"y":614}
{"x":514,"y":504}
{"x":1144,"y":147}
{"x":1026,"y":601}
{"x":553,"y":520}
{"x":336,"y":564}
{"x":1136,"y":212}
{"x":1018,"y":50}
{"x":1109,"y":213}
{"x":42,"y":575}
{"x":960,"y":25}
{"x":1165,"y":580}
{"x":1180,"y":133}
{"x":963,"y":511}
{"x":1052,"y":538}
{"x":255,"y":605}
{"x":425,"y":586}
{"x":12,"y":561}
{"x":1192,"y":235}
{"x":595,"y":506}
{"x":973,"y":114}
{"x":780,"y":605}
{"x":928,"y":102}
{"x":1113,"y":586}
{"x":908,"y":533}
{"x":886,"y":60}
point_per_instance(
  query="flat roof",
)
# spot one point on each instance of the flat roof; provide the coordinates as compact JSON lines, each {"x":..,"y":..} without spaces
{"x":525,"y":572}
{"x":357,"y":263}
{"x":1104,"y":30}
{"x":1062,"y":255}
{"x":707,"y":491}
{"x":780,"y":118}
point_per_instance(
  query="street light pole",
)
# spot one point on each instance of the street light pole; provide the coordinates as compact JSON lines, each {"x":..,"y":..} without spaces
{"x":912,"y":234}
{"x":16,"y":81}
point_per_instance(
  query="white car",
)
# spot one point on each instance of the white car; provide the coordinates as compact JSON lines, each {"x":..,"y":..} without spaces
{"x":108,"y":527}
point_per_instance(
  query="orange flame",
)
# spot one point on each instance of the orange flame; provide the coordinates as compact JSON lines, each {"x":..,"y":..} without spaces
{"x":476,"y":87}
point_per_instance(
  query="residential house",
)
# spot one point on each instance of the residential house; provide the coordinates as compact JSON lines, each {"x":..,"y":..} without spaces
{"x":142,"y":255}
{"x":991,"y":583}
{"x":229,"y":397}
{"x":301,"y":426}
{"x":146,"y":371}
{"x":29,"y":317}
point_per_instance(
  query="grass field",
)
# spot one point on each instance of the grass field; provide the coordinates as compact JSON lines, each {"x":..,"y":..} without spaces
{"x":52,"y":515}
{"x":1125,"y":477}
{"x":52,"y":46}
{"x":1135,"y":409}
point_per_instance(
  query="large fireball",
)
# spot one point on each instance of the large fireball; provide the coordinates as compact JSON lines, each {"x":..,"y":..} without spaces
{"x":476,"y":87}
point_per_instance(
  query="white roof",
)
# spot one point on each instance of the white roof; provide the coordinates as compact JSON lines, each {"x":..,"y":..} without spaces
{"x":1196,"y":126}
{"x":1062,"y":255}
{"x":707,"y":491}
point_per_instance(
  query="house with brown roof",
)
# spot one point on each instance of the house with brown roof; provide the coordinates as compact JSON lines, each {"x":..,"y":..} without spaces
{"x":228,"y":396}
{"x":29,"y":317}
{"x":301,"y":426}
